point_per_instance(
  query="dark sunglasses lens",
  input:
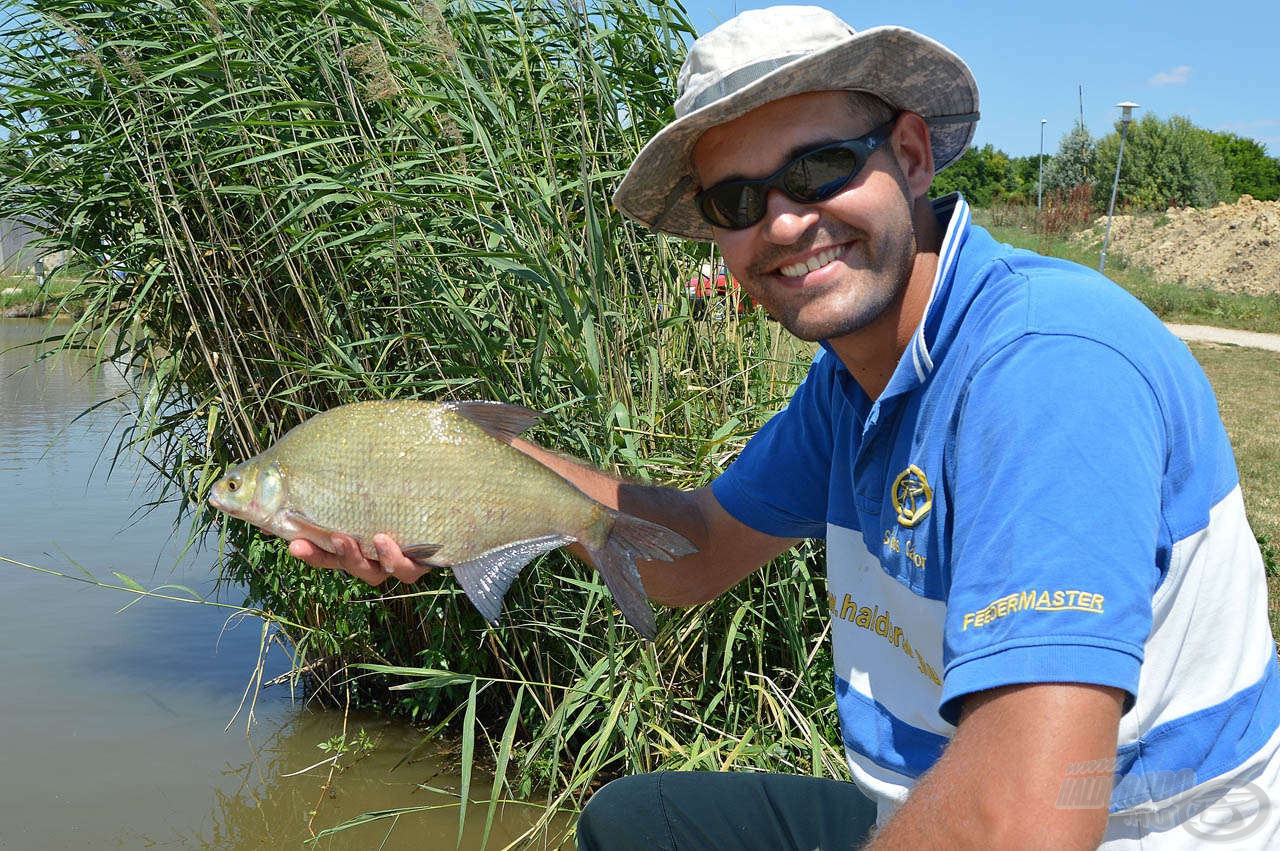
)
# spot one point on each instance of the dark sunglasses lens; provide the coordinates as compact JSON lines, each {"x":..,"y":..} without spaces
{"x":810,"y":178}
{"x":821,"y":174}
{"x":733,"y":205}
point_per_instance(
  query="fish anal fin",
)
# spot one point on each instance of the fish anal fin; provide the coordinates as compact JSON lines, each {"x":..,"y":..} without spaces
{"x":487,"y":577}
{"x":497,"y":419}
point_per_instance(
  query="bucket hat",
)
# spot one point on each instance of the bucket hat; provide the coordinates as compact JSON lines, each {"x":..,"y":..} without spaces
{"x":764,"y":55}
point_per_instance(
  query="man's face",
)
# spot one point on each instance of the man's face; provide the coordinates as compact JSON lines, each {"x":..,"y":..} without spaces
{"x":823,"y":270}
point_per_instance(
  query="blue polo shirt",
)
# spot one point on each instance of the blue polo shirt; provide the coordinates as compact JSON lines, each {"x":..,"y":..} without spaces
{"x":1044,"y":492}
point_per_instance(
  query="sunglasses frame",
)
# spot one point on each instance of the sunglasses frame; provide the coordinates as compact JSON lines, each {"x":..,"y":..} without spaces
{"x":862,"y":148}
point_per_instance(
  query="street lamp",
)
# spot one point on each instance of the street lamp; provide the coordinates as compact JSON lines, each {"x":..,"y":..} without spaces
{"x":1040,"y":177}
{"x":1126,"y":118}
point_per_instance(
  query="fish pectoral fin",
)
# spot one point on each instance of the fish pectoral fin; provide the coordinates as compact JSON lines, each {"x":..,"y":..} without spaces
{"x":292,"y":524}
{"x":420,"y":554}
{"x":487,"y":577}
{"x":497,"y":419}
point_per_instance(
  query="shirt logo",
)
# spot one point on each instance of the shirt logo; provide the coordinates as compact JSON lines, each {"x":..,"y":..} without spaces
{"x":912,"y":496}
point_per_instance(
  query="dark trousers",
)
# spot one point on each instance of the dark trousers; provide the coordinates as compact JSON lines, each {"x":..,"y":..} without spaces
{"x":687,"y":810}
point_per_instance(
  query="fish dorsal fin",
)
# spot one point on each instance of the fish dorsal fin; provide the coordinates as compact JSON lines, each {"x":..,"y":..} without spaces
{"x":498,"y":419}
{"x":487,"y":577}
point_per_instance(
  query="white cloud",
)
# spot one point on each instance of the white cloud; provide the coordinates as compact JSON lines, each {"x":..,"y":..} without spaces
{"x":1176,"y":77}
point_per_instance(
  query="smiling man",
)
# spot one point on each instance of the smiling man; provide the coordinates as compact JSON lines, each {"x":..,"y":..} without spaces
{"x":1049,"y":615}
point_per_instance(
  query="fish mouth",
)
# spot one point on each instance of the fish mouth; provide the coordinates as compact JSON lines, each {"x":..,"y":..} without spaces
{"x":218,"y":500}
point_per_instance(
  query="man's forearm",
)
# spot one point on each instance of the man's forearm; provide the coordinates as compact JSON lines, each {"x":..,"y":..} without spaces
{"x":727,"y":550}
{"x":998,"y":783}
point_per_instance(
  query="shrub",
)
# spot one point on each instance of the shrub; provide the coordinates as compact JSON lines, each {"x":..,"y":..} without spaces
{"x":306,"y":203}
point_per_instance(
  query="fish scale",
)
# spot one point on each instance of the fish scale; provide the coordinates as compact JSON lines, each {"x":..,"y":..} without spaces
{"x":417,"y":464}
{"x":443,"y":480}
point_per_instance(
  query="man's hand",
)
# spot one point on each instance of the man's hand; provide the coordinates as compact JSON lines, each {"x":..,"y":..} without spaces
{"x":346,"y":556}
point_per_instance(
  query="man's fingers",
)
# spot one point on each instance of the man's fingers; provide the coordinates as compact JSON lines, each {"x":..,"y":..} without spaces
{"x":346,"y":556}
{"x":313,"y":555}
{"x":395,"y":562}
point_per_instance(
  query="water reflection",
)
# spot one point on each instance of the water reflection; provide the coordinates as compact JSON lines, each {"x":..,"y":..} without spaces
{"x":275,"y":801}
{"x":42,"y":395}
{"x":114,"y":723}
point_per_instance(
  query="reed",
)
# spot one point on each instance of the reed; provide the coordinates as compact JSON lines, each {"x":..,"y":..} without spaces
{"x":284,"y":205}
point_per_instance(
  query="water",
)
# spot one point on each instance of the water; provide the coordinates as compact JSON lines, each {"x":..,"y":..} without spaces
{"x":119,"y":729}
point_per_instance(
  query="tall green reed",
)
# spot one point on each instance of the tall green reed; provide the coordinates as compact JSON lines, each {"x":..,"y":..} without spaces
{"x":291,"y":204}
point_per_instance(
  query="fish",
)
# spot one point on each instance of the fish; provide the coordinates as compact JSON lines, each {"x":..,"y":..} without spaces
{"x":444,"y":481}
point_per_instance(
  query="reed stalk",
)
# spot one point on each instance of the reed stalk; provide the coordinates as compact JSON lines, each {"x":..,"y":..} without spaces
{"x":285,"y":205}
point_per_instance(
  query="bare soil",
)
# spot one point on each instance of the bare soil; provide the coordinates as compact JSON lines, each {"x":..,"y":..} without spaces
{"x":1231,"y":247}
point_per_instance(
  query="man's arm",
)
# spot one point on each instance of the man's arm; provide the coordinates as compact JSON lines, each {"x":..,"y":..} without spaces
{"x":728,"y":550}
{"x":997,"y":785}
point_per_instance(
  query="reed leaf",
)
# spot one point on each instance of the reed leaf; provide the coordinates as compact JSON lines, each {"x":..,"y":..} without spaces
{"x":278,"y":206}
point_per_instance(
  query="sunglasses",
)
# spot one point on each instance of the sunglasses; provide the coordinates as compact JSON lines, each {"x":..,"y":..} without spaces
{"x":809,"y":178}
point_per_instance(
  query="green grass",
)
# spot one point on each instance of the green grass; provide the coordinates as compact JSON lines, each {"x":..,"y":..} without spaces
{"x":316,"y":202}
{"x":1249,"y":400}
{"x":28,"y":292}
{"x":1171,"y":302}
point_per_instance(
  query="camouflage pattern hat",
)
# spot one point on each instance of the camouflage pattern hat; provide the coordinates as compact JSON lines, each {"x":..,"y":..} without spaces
{"x":764,"y":55}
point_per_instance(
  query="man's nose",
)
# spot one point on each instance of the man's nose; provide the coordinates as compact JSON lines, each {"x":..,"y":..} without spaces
{"x":785,"y":221}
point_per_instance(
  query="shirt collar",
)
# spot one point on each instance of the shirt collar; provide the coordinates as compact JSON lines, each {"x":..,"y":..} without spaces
{"x":955,"y":211}
{"x":917,"y":361}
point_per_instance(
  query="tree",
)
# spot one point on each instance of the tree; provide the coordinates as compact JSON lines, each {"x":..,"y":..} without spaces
{"x":1073,"y":165}
{"x":982,"y":175}
{"x":1026,"y":176}
{"x":1166,"y":163}
{"x":1252,"y":171}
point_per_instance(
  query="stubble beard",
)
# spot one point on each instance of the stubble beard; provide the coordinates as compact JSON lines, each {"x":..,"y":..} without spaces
{"x":859,"y":298}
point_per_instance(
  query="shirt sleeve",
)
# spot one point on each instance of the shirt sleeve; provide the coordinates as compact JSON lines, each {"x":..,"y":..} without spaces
{"x":779,"y":483}
{"x":1058,"y":461}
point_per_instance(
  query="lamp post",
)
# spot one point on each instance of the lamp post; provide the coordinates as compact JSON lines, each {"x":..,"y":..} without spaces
{"x":1040,"y":176}
{"x":1126,"y":118}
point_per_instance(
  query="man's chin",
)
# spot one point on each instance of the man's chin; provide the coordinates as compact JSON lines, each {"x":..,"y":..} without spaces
{"x":805,"y":333}
{"x":817,"y":329}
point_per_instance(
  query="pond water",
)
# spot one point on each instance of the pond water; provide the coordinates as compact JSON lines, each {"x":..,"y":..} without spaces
{"x":124,"y":728}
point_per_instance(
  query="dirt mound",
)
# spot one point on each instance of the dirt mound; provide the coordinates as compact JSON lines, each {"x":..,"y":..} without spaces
{"x":1230,"y":247}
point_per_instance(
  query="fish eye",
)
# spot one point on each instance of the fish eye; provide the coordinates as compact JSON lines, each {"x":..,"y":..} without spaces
{"x":233,"y":483}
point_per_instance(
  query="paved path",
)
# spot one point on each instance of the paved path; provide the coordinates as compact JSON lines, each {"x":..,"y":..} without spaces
{"x":1209,"y":334}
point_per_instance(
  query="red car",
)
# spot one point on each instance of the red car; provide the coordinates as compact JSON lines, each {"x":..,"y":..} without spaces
{"x":714,"y":286}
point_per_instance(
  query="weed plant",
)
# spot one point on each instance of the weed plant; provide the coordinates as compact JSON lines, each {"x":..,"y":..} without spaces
{"x":284,"y":205}
{"x":1170,"y":301}
{"x":1059,"y":214}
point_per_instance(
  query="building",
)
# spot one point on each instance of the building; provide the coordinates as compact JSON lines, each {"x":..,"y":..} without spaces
{"x":18,"y":254}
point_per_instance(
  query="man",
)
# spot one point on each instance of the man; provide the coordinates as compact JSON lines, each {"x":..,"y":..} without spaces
{"x":1049,"y":614}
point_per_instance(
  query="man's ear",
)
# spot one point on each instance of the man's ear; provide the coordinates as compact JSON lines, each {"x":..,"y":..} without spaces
{"x":914,"y":151}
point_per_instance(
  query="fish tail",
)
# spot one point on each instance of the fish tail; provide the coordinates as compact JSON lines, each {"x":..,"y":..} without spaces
{"x":632,"y":538}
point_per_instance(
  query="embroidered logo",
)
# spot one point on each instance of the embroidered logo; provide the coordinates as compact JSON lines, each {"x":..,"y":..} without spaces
{"x":912,"y":496}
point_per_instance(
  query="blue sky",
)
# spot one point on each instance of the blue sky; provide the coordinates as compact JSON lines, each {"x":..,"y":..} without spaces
{"x":1216,"y":63}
